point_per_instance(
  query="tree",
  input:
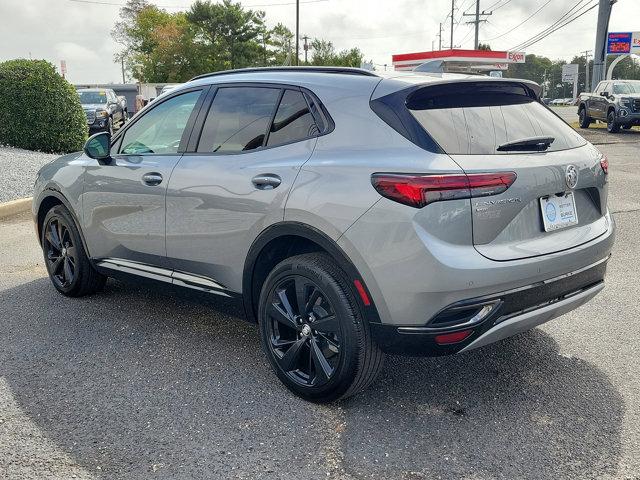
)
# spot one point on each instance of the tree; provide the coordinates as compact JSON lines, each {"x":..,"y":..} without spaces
{"x":324,"y":54}
{"x":159,"y":46}
{"x":120,"y":33}
{"x":279,"y":42}
{"x":54,"y":119}
{"x":230,"y":34}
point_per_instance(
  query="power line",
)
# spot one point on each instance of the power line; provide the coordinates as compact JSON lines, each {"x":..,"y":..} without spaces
{"x":499,"y":6}
{"x":555,"y":27}
{"x":521,"y":23}
{"x":562,"y":18}
{"x":477,"y":21}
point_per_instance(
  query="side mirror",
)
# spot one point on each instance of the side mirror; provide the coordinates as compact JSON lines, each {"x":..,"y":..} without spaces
{"x":98,"y":147}
{"x":604,"y":94}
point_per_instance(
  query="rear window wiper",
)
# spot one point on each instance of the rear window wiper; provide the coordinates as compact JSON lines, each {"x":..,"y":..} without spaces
{"x":536,"y":144}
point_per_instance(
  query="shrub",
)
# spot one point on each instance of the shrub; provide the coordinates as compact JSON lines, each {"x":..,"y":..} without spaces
{"x":39,"y":110}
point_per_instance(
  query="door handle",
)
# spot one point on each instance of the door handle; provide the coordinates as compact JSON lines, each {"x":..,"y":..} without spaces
{"x":267,"y":181}
{"x":152,"y":179}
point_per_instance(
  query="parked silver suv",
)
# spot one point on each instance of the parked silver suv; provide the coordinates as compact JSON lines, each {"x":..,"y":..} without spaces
{"x":354,"y":214}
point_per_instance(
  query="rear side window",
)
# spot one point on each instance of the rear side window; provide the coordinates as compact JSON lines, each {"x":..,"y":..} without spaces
{"x":476,"y":118}
{"x":238,"y":119}
{"x":293,"y":120}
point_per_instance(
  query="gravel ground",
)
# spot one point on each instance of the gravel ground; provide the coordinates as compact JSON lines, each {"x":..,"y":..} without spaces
{"x":19,"y":168}
{"x":136,"y":384}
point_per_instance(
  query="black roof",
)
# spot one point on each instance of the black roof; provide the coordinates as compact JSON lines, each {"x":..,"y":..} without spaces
{"x":342,"y":70}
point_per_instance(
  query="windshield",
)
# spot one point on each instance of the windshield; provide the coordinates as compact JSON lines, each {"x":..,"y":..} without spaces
{"x":93,"y":97}
{"x":626,"y":88}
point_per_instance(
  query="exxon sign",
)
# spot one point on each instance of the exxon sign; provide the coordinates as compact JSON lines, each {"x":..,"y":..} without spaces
{"x":516,"y":57}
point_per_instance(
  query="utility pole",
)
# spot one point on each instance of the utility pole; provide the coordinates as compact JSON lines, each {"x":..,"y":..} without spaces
{"x":306,"y":48}
{"x":122,"y":66}
{"x":600,"y":51}
{"x":453,"y":7}
{"x":587,"y":54}
{"x":440,"y":37}
{"x":477,"y":21}
{"x":297,"y":32}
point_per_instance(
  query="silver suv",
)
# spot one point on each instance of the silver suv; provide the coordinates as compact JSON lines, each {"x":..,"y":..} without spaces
{"x":354,"y":214}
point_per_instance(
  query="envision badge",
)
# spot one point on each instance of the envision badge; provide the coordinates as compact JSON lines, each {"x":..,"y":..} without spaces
{"x":571,"y":176}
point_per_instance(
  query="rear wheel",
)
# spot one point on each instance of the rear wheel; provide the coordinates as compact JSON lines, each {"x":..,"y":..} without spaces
{"x":65,"y":258}
{"x":313,"y":332}
{"x":612,"y":125}
{"x":584,"y":119}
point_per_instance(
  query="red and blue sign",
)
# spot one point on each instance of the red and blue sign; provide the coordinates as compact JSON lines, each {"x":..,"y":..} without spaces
{"x":619,"y":43}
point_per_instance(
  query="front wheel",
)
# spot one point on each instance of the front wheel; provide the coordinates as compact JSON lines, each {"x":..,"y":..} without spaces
{"x":69,"y":268}
{"x":612,"y":125}
{"x":313,"y":332}
{"x":584,"y":119}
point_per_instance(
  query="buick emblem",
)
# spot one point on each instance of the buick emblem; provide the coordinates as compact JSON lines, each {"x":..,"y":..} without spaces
{"x":571,"y":176}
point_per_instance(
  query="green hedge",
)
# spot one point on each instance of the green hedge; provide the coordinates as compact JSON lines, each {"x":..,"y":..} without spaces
{"x":39,"y":110}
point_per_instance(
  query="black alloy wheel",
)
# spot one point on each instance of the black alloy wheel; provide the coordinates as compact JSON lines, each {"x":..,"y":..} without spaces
{"x":612,"y":126}
{"x":304,"y":331}
{"x":69,"y":267}
{"x":583,"y":119}
{"x":313,"y":330}
{"x":61,"y":254}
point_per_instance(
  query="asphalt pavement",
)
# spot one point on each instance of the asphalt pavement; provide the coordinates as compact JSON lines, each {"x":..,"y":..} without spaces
{"x":159,"y":384}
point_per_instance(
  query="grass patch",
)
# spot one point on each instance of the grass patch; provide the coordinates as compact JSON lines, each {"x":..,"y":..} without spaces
{"x":600,"y":126}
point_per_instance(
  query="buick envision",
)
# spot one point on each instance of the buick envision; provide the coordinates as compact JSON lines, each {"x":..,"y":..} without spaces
{"x":354,"y":214}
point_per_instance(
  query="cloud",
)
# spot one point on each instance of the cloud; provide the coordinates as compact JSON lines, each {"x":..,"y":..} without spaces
{"x":73,"y":52}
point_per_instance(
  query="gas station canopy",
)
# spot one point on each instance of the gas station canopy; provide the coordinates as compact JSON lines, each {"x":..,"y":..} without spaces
{"x":458,"y":60}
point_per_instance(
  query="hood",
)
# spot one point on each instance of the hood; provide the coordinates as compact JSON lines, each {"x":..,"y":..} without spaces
{"x":93,"y":106}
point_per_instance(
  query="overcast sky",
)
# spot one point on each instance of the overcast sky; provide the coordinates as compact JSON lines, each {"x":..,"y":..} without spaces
{"x":80,"y":32}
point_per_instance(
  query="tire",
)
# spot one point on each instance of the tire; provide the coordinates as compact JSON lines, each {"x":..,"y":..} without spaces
{"x":69,"y":268}
{"x":322,"y":351}
{"x":583,"y":118}
{"x":627,"y":127}
{"x":612,"y":125}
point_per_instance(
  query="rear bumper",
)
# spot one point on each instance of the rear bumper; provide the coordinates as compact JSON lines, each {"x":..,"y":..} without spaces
{"x":517,"y":310}
{"x":527,"y":321}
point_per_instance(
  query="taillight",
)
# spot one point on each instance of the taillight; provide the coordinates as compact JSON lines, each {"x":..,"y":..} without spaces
{"x":418,"y":190}
{"x":604,"y":163}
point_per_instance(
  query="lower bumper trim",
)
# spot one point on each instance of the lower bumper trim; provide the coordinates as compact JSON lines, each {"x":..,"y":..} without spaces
{"x":529,"y":320}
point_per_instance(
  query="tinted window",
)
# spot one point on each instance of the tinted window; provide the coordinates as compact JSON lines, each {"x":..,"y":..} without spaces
{"x":476,"y":119}
{"x":626,"y":88}
{"x":160,"y":130}
{"x":293,"y":120}
{"x":238,"y":119}
{"x":89,"y":97}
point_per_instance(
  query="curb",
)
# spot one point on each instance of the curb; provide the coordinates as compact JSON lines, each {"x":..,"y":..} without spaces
{"x":14,"y":207}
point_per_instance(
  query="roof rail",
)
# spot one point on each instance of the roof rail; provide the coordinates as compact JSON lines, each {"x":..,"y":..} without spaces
{"x":343,"y":70}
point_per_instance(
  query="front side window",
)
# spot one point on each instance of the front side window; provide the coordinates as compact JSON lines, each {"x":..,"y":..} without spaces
{"x":238,"y":119}
{"x":293,"y":120}
{"x":160,"y":130}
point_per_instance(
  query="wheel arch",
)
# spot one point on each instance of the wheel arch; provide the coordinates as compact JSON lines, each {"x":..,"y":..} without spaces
{"x":48,"y":199}
{"x":284,"y":240}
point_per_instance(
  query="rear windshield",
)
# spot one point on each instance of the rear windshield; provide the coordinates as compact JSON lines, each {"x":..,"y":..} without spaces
{"x":476,"y":118}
